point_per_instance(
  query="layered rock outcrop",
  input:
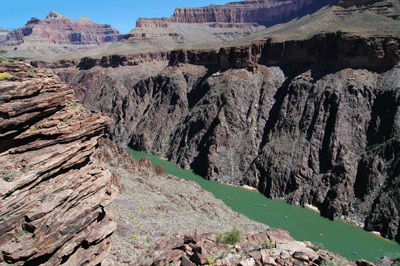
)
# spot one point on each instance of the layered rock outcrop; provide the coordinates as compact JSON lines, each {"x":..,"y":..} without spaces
{"x":53,"y":193}
{"x":59,"y":29}
{"x":56,"y":35}
{"x":263,"y":12}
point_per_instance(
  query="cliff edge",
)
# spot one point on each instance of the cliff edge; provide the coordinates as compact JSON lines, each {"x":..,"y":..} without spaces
{"x":52,"y":191}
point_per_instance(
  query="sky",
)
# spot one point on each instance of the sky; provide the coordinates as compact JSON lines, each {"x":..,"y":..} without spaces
{"x":120,"y":14}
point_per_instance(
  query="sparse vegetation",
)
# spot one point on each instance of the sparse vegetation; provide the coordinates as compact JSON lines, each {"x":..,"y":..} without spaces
{"x":76,"y":106}
{"x":32,"y":128}
{"x":210,"y":260}
{"x":21,"y":233}
{"x":4,"y":75}
{"x":8,"y":175}
{"x":43,"y":197}
{"x":219,"y":238}
{"x":267,"y":244}
{"x":231,"y":237}
{"x":317,"y":246}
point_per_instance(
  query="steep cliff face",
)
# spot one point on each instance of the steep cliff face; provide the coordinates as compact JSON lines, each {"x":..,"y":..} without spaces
{"x":52,"y":191}
{"x":313,"y":121}
{"x":263,"y":12}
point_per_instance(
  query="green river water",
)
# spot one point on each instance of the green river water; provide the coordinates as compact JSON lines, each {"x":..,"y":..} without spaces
{"x":302,"y":223}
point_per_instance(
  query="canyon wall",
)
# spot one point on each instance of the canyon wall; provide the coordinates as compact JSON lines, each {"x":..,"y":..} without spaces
{"x":266,"y":13}
{"x":313,"y":121}
{"x":58,"y":29}
{"x":53,"y":192}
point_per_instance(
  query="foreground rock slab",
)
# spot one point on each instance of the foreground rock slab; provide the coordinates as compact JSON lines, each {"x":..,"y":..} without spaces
{"x":52,"y":191}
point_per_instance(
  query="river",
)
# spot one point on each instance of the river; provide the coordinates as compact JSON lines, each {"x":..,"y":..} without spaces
{"x":303,"y":224}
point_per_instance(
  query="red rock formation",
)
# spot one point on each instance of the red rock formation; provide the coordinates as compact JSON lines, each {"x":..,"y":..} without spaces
{"x":52,"y":191}
{"x":58,"y":29}
{"x":263,"y":12}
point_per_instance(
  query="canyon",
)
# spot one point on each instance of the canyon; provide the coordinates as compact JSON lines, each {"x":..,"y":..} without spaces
{"x":313,"y":121}
{"x":59,"y":191}
{"x":307,"y":111}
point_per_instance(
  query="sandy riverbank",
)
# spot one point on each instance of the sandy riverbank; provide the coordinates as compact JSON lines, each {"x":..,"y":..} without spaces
{"x":311,"y":207}
{"x":248,"y":187}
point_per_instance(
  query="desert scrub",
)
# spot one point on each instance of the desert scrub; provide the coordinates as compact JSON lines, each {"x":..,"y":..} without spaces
{"x":4,"y":75}
{"x":76,"y":106}
{"x":317,"y":246}
{"x":267,"y":244}
{"x":230,"y":237}
{"x":210,"y":260}
{"x":8,"y":175}
{"x":42,"y":197}
{"x":21,"y":233}
{"x":219,"y":238}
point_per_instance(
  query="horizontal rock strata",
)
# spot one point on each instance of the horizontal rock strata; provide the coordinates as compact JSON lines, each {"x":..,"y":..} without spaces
{"x":59,"y":29}
{"x":52,"y":191}
{"x":266,"y":13}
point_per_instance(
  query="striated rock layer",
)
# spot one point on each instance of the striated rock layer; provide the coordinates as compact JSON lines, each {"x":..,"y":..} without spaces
{"x":58,"y":29}
{"x":52,"y":191}
{"x":263,"y":12}
{"x":56,"y":35}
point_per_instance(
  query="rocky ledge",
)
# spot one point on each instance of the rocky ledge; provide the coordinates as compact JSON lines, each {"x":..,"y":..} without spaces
{"x":53,"y":193}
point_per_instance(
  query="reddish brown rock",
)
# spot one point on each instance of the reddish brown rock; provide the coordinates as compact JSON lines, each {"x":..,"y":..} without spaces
{"x":53,"y":192}
{"x":260,"y":11}
{"x":205,"y":251}
{"x":57,"y":29}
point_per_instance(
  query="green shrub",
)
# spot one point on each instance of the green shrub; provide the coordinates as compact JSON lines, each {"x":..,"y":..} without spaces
{"x":4,"y":75}
{"x":76,"y":106}
{"x":267,"y":244}
{"x":210,"y":260}
{"x":219,"y":238}
{"x":43,"y":197}
{"x":8,"y":175}
{"x":2,"y":58}
{"x":21,"y":233}
{"x":232,"y":237}
{"x":317,"y":246}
